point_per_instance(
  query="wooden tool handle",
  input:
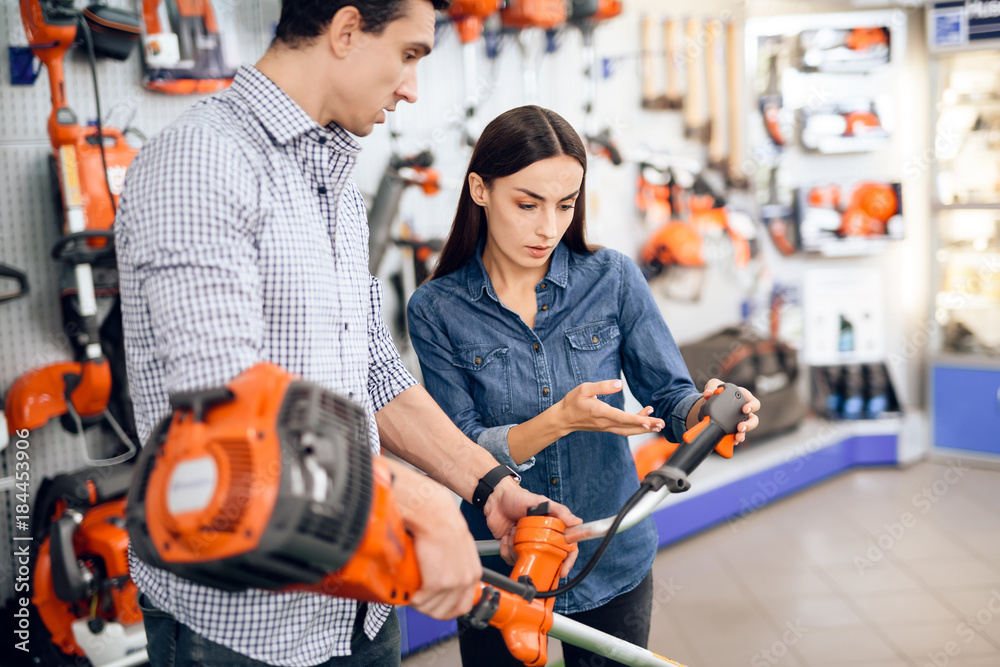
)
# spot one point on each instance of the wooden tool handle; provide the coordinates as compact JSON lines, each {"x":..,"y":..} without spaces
{"x":734,"y":80}
{"x":713,"y":72}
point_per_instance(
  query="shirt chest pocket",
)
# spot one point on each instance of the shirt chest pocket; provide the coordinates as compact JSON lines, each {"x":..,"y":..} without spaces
{"x":488,"y":370}
{"x":593,"y":352}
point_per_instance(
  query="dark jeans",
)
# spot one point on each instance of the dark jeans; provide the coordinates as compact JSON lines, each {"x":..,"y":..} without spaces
{"x":173,"y":644}
{"x":626,"y":617}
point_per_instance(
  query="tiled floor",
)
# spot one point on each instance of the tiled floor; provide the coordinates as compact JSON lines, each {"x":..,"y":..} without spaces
{"x":874,"y":568}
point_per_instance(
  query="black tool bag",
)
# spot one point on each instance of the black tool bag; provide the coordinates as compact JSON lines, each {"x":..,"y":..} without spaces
{"x":768,"y":368}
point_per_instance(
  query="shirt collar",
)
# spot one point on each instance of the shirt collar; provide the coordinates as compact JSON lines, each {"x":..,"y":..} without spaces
{"x":282,"y":118}
{"x":479,"y":279}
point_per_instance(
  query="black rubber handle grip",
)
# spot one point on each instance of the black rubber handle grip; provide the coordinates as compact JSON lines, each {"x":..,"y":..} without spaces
{"x":720,"y":417}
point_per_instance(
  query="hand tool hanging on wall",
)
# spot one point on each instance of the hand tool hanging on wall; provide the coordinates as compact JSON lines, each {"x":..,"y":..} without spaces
{"x":89,"y":168}
{"x":16,"y":291}
{"x":713,"y":220}
{"x":468,"y":16}
{"x":736,"y":176}
{"x":399,"y":173}
{"x":771,"y":101}
{"x":586,"y":15}
{"x":858,"y":49}
{"x":779,"y":218}
{"x":188,"y":57}
{"x":866,"y":212}
{"x":696,"y":124}
{"x":672,"y":63}
{"x":9,"y":294}
{"x":352,"y":543}
{"x":532,"y":16}
{"x":713,"y":80}
{"x":870,"y":207}
{"x":674,"y":254}
{"x":651,"y":98}
{"x":81,"y":587}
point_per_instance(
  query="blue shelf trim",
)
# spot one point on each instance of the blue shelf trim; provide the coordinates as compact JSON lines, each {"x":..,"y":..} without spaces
{"x":742,"y":498}
{"x":732,"y":502}
{"x":420,"y":631}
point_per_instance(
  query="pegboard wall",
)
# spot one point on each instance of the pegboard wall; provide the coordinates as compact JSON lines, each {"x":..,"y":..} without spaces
{"x":31,"y":327}
{"x":31,"y":331}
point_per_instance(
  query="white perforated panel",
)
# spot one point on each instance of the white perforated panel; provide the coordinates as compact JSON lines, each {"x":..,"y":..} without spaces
{"x":30,"y":329}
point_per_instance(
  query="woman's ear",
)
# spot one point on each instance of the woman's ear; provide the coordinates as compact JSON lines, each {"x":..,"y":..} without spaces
{"x":478,"y":189}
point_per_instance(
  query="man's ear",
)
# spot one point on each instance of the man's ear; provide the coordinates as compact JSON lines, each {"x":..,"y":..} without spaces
{"x":477,"y":188}
{"x":344,"y":30}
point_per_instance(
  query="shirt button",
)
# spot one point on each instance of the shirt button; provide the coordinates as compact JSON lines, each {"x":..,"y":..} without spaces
{"x":545,"y":391}
{"x":595,"y":339}
{"x":545,"y":307}
{"x":479,"y":360}
{"x":544,"y":285}
{"x":322,"y":140}
{"x":554,"y":481}
{"x":536,"y":346}
{"x":321,"y":190}
{"x":350,"y":395}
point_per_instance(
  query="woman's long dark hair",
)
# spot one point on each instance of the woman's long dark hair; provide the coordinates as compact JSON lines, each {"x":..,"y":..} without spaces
{"x":512,"y":141}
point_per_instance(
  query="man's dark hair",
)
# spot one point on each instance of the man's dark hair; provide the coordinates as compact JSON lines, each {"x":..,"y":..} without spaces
{"x":303,"y":20}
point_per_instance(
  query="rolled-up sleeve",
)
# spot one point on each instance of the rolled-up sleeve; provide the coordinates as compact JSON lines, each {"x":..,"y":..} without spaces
{"x":653,"y":366}
{"x":387,"y":376}
{"x":449,"y":385}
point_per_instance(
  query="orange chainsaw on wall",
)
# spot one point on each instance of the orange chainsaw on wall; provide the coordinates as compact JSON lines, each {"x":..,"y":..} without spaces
{"x":270,"y":482}
{"x":184,"y":54}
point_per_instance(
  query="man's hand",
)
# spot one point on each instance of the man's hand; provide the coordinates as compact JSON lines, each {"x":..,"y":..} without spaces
{"x":508,"y":503}
{"x":581,"y":410}
{"x":450,"y":570}
{"x":752,"y":406}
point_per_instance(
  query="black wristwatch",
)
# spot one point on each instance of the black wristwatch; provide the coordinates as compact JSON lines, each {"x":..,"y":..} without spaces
{"x":488,"y":482}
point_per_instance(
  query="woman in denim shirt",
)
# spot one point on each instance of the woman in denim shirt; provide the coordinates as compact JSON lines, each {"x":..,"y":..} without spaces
{"x":523,"y":333}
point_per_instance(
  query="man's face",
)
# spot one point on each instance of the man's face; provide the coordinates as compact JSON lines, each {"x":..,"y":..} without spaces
{"x":382,"y":69}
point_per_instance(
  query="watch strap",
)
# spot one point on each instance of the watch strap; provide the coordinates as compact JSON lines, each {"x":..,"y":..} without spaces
{"x":488,"y":483}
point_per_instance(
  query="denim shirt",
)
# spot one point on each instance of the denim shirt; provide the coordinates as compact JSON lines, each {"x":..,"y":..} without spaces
{"x":489,"y":371}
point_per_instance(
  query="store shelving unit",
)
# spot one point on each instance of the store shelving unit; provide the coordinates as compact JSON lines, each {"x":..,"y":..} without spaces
{"x":964,"y":368}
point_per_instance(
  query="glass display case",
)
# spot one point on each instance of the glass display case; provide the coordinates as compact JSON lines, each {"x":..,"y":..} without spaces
{"x":967,"y":128}
{"x":967,"y":302}
{"x":966,"y":203}
{"x":964,"y":373}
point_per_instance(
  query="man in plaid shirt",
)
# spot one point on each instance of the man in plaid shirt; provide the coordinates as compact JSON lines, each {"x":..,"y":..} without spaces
{"x":242,"y":238}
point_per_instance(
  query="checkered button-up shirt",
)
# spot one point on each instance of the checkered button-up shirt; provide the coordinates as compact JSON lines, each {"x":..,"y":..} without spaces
{"x":241,"y":238}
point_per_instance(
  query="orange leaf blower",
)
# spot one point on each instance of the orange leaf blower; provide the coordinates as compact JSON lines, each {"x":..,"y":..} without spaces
{"x":81,"y":586}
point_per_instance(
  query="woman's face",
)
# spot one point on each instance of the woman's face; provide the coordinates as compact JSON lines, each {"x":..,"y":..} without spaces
{"x":528,"y":212}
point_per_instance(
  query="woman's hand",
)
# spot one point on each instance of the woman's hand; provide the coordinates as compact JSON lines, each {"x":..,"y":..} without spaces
{"x":752,"y":406}
{"x":581,"y":410}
